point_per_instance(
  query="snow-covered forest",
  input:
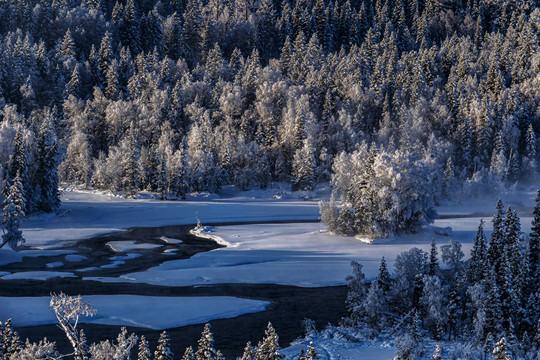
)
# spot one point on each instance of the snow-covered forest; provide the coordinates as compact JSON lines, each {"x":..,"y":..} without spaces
{"x":182,"y":96}
{"x":492,"y":296}
{"x":400,"y":105}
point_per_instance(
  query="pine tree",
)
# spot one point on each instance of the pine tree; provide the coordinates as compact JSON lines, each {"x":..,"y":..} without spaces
{"x":502,"y":351}
{"x":311,"y":353}
{"x":206,"y":349}
{"x":189,"y":354}
{"x":13,"y":213}
{"x":130,"y":166}
{"x":129,"y":32}
{"x":454,"y":309}
{"x":496,"y":244}
{"x":356,"y":291}
{"x":249,"y":352}
{"x":303,"y":168}
{"x":512,"y":250}
{"x":433,"y":260}
{"x":105,"y":55}
{"x":533,"y":258}
{"x":285,"y":58}
{"x":162,"y":351}
{"x":18,"y":166}
{"x":112,"y":90}
{"x":373,"y":306}
{"x":449,"y":179}
{"x":530,"y":164}
{"x":269,"y":348}
{"x":477,"y":268}
{"x":193,"y":28}
{"x":144,"y":352}
{"x":73,"y":87}
{"x":10,"y":341}
{"x":383,"y":278}
{"x":437,"y":354}
{"x":67,"y":48}
{"x":46,"y":177}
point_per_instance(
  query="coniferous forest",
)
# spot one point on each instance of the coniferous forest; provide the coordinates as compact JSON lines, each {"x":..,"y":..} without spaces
{"x":399,"y":104}
{"x":183,"y":96}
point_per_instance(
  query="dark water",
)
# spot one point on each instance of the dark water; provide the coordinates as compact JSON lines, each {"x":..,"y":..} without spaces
{"x":289,"y":304}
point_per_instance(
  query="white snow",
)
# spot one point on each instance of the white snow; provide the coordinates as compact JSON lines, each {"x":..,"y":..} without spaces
{"x":335,"y":348}
{"x":169,"y":240}
{"x":123,"y":246}
{"x":303,"y":254}
{"x":88,"y":214}
{"x":37,"y":275}
{"x":133,"y":310}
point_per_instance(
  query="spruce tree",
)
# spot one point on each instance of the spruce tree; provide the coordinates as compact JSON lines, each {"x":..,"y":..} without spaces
{"x":18,"y":167}
{"x":105,"y":55}
{"x":384,"y":278}
{"x":162,"y":351}
{"x":205,"y":350}
{"x":144,"y":352}
{"x":512,"y":236}
{"x":189,"y":354}
{"x":67,"y":48}
{"x":496,"y":244}
{"x":13,"y":213}
{"x":46,"y":177}
{"x":249,"y":352}
{"x":356,"y":291}
{"x":268,"y":348}
{"x":433,"y":260}
{"x":502,"y":351}
{"x":533,"y":254}
{"x":477,"y":269}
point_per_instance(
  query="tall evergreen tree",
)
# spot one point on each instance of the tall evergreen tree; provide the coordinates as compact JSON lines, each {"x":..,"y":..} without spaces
{"x":496,"y":244}
{"x":46,"y":178}
{"x":477,"y":268}
{"x":268,"y":348}
{"x":206,"y":350}
{"x":163,"y":352}
{"x":13,"y":208}
{"x":433,"y":260}
{"x":533,"y":253}
{"x":144,"y":351}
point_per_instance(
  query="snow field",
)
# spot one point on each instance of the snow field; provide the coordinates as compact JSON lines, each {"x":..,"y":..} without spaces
{"x":89,"y":214}
{"x":287,"y":254}
{"x":151,"y":312}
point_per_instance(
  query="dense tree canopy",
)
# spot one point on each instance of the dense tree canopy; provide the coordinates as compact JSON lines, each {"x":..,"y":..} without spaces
{"x":175,"y":96}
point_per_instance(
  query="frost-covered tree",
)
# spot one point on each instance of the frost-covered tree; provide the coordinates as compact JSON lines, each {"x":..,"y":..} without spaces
{"x":432,"y":300}
{"x":143,"y":350}
{"x":206,"y":350}
{"x":163,"y":352}
{"x":189,"y":354}
{"x":68,"y":310}
{"x":502,"y":350}
{"x":303,"y":168}
{"x":46,"y":177}
{"x":13,"y":209}
{"x":356,"y":291}
{"x":249,"y":352}
{"x":389,"y":192}
{"x":452,"y":255}
{"x":268,"y":348}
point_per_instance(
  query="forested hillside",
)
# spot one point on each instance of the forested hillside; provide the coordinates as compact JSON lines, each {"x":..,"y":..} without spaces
{"x":180,"y":96}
